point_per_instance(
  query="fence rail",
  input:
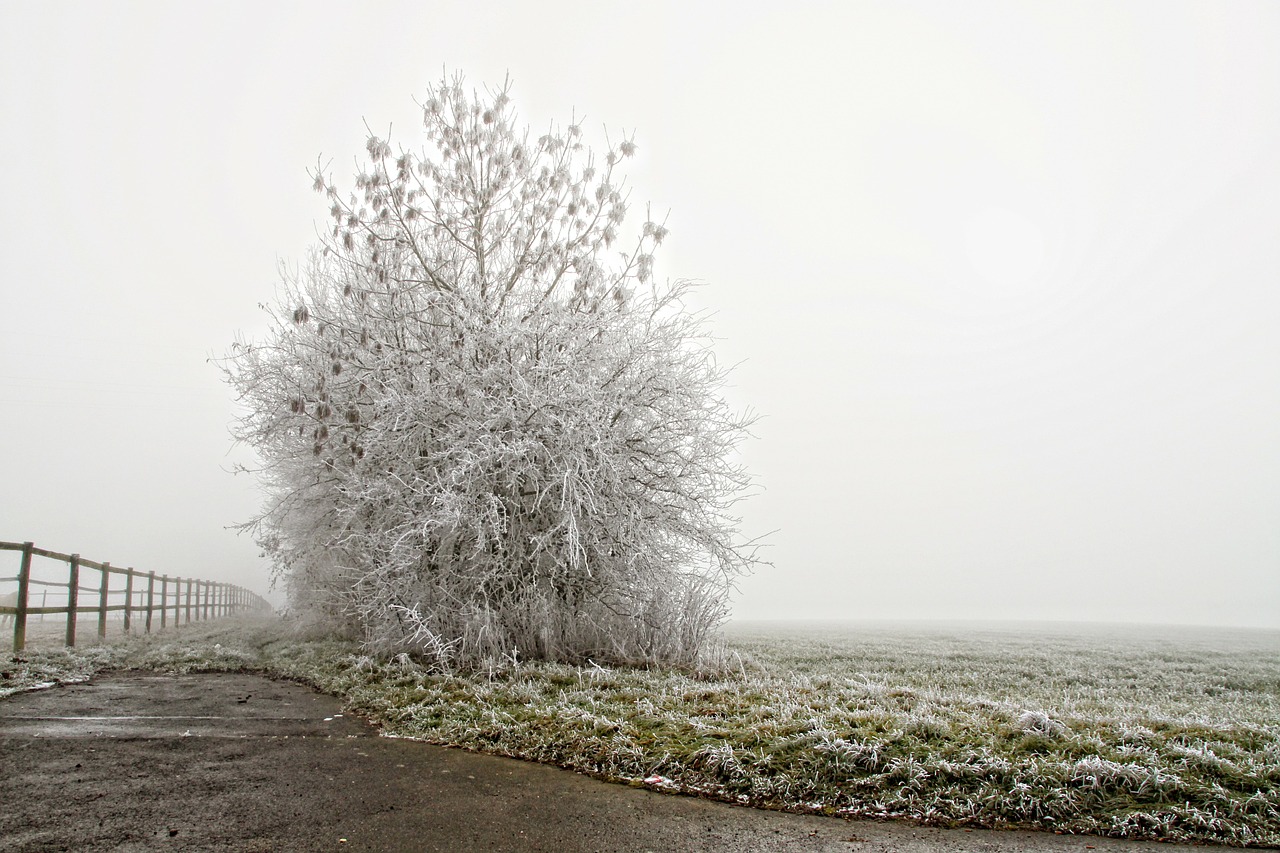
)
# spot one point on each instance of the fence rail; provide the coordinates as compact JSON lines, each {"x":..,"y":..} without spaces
{"x":188,"y":599}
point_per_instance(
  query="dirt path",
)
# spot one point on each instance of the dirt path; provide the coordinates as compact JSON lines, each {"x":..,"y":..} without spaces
{"x":238,"y":762}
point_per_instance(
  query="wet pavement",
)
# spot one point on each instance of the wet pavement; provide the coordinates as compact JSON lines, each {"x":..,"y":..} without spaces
{"x":141,"y":761}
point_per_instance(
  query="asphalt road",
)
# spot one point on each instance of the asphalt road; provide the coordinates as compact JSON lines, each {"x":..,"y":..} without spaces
{"x":137,"y":761}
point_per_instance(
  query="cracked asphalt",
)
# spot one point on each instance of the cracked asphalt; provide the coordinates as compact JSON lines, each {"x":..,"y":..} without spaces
{"x":142,"y":761}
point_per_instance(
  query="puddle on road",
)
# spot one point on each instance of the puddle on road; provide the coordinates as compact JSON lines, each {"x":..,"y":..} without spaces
{"x":146,"y":705}
{"x":168,"y":726}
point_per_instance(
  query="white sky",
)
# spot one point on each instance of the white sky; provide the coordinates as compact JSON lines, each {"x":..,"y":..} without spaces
{"x":1003,"y":278}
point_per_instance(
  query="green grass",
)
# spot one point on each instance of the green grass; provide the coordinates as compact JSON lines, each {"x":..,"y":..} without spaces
{"x":1123,"y":732}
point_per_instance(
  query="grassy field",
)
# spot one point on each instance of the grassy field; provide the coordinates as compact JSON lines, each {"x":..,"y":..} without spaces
{"x":1134,"y":732}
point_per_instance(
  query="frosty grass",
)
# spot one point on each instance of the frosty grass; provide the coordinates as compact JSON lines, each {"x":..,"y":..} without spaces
{"x":1133,"y":732}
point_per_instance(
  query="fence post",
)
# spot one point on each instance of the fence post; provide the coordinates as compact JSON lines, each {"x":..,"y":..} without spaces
{"x":73,"y":598}
{"x":24,"y":584}
{"x":102,"y":601}
{"x":164,"y":600}
{"x":128,"y":599}
{"x":151,"y":597}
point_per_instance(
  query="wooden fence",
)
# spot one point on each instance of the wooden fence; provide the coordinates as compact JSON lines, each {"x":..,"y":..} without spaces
{"x":153,"y":597}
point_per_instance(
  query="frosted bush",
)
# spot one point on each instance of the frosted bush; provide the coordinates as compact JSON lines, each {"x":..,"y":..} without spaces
{"x":488,"y":432}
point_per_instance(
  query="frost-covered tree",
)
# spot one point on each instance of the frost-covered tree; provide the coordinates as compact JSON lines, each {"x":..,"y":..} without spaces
{"x":485,"y":430}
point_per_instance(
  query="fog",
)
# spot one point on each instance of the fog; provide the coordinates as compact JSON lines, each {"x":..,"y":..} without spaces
{"x":1000,"y":277}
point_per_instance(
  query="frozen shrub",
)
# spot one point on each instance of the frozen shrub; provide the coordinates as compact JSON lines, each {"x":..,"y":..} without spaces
{"x":487,"y":432}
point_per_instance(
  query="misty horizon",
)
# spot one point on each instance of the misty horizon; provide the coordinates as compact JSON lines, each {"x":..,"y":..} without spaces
{"x":999,"y":279}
